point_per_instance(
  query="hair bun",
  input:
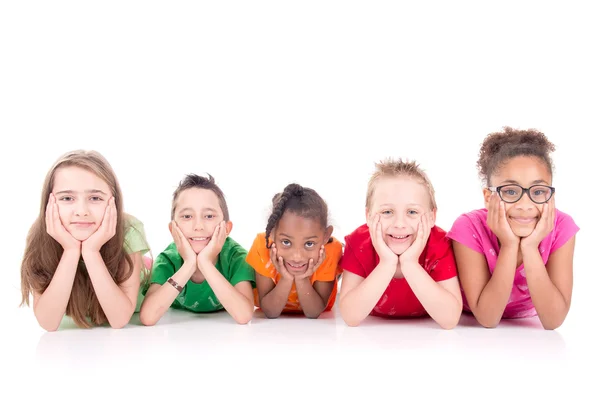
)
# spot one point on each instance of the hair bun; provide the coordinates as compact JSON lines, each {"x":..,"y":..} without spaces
{"x":294,"y":189}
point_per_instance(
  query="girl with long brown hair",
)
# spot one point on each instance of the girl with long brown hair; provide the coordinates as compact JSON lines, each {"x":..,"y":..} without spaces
{"x":84,"y":255}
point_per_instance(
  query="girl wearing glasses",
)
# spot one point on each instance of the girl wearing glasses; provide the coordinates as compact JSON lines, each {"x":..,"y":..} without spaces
{"x":515,"y":256}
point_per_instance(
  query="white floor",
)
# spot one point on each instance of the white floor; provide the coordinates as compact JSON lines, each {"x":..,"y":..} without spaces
{"x":194,"y":355}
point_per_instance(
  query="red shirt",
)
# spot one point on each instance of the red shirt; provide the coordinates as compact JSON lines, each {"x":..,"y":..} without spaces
{"x":398,"y":300}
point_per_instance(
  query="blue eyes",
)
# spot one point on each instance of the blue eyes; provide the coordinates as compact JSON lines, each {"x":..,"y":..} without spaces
{"x":388,"y":213}
{"x":71,"y":198}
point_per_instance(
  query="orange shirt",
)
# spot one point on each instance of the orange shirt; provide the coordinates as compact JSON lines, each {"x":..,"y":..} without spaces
{"x":259,"y":258}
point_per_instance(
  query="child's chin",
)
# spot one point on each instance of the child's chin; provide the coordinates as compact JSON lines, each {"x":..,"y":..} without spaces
{"x":81,"y":236}
{"x":198,"y":247}
{"x":399,"y":249}
{"x":297,"y":271}
{"x":522,"y":233}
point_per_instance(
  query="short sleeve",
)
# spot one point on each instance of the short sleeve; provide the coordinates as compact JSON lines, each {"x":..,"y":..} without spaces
{"x":464,"y":232}
{"x":350,"y":263}
{"x":240,"y":270}
{"x":330,"y":269}
{"x":135,"y":237}
{"x":441,"y":261}
{"x":162,"y":269}
{"x":565,"y":229}
{"x":258,"y":258}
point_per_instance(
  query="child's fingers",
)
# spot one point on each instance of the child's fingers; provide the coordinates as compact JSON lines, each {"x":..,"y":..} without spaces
{"x":174,"y":231}
{"x":50,"y":215}
{"x":49,"y":211}
{"x":379,"y":233}
{"x":274,"y":259}
{"x":322,"y":255}
{"x":419,"y":238}
{"x":113,"y":217}
{"x":547,"y":215}
{"x":217,"y":231}
{"x":491,"y":211}
{"x":280,"y":263}
{"x":223,"y":232}
{"x":179,"y":238}
{"x":56,"y":222}
{"x":502,"y":213}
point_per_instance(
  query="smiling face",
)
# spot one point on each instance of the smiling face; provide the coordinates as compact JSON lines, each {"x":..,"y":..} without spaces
{"x":524,"y":171}
{"x":299,"y":239}
{"x":400,"y":201}
{"x":82,"y":198}
{"x":197,"y":213}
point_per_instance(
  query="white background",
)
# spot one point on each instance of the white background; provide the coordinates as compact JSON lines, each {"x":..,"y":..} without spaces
{"x":264,"y":93}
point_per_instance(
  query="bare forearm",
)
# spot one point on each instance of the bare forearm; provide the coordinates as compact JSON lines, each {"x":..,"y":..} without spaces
{"x":114,"y":302}
{"x":550,"y":304}
{"x":274,"y":302}
{"x":50,"y":308}
{"x":311,"y":302}
{"x":440,"y":304}
{"x":357,"y":304}
{"x":494,"y":297}
{"x":237,"y":305}
{"x":156,"y":304}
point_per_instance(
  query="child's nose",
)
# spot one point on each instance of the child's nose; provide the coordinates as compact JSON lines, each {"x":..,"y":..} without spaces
{"x":525,"y":203}
{"x":198,"y":224}
{"x":297,"y":256}
{"x":400,"y":221}
{"x":82,"y":208}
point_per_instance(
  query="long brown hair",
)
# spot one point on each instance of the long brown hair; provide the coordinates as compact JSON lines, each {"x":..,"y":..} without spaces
{"x":43,"y":253}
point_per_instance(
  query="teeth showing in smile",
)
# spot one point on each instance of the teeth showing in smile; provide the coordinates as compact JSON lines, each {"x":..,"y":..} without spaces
{"x":199,"y":239}
{"x":399,"y":237}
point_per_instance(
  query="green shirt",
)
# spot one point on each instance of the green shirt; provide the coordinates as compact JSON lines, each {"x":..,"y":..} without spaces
{"x":199,"y":297}
{"x":135,"y":242}
{"x":135,"y":236}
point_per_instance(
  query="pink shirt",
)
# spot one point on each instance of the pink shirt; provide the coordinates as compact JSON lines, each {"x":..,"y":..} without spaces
{"x":471,"y":230}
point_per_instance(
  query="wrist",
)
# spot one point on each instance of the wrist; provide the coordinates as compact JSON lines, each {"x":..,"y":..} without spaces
{"x":72,"y":252}
{"x":87,"y":247}
{"x":189,"y":266}
{"x":513,"y":243}
{"x":286,"y":279}
{"x":89,"y":253}
{"x":512,"y":246}
{"x":408,"y":264}
{"x":388,"y":265}
{"x":300,"y":280}
{"x":205,"y":262}
{"x":528,"y":247}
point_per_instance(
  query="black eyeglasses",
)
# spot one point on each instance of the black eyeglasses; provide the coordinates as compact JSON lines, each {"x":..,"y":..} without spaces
{"x":539,"y":194}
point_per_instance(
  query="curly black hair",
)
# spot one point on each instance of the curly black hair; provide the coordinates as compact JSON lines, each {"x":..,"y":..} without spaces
{"x":499,"y":147}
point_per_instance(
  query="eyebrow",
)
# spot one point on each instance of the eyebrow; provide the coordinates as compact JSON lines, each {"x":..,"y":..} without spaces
{"x":291,"y":237}
{"x":93,"y":191}
{"x":536,"y":182}
{"x":204,"y":209}
{"x":408,"y":205}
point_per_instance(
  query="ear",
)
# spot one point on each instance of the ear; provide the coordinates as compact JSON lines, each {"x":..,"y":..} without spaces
{"x":328,"y":233}
{"x":171,"y":226}
{"x":486,"y":197}
{"x":434,"y":215}
{"x":228,"y":227}
{"x":367,"y":214}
